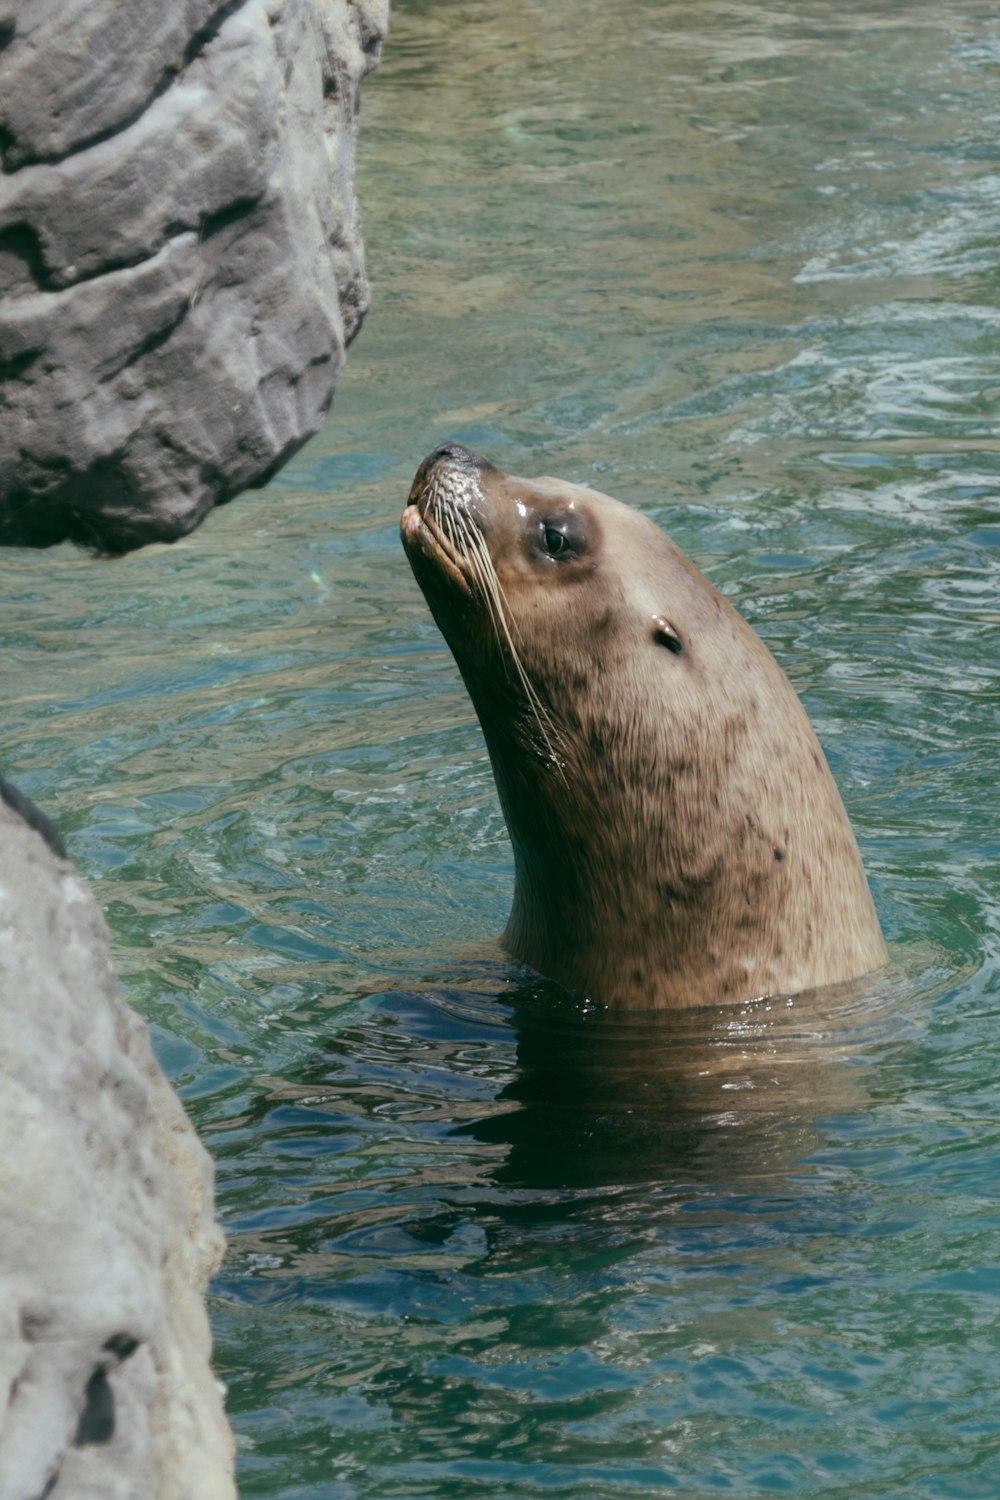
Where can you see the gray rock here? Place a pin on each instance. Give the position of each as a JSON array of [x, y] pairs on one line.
[[181, 265], [107, 1236]]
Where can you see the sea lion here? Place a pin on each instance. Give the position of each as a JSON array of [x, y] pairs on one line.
[[678, 837]]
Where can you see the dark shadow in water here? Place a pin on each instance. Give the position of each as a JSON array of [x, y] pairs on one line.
[[569, 1095], [728, 1095], [491, 1167], [492, 1102]]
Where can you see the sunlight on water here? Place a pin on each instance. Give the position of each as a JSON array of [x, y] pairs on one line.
[[735, 264]]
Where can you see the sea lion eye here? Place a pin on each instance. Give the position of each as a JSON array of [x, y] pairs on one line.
[[562, 537], [554, 542], [664, 634]]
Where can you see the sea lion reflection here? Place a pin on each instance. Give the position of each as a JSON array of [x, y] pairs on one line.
[[727, 1095]]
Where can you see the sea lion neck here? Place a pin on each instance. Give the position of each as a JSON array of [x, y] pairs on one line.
[[662, 869]]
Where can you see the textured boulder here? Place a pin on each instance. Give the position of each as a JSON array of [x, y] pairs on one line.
[[107, 1237], [181, 264]]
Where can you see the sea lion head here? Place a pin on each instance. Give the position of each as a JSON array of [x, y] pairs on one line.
[[524, 579], [664, 792]]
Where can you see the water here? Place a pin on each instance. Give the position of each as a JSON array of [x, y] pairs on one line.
[[737, 265]]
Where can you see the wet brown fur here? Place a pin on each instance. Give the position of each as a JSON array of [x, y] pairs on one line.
[[678, 837]]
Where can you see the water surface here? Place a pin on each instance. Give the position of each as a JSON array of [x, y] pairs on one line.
[[735, 264]]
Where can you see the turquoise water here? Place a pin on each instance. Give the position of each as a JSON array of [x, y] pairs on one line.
[[738, 265]]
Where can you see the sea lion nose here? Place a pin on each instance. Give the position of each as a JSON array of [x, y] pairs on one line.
[[449, 452], [458, 453], [454, 452]]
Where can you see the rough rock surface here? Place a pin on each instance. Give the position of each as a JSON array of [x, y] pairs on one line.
[[181, 263], [107, 1236]]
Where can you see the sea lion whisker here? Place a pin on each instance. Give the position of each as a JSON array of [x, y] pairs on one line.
[[448, 519], [485, 575], [438, 514], [438, 517]]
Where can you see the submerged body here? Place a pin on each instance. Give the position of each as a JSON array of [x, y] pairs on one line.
[[678, 837]]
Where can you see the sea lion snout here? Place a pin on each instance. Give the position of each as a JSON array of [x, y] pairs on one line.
[[450, 453]]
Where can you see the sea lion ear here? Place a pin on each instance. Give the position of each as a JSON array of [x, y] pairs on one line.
[[664, 634]]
